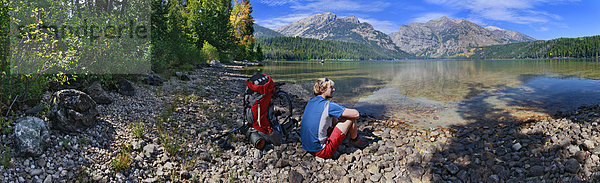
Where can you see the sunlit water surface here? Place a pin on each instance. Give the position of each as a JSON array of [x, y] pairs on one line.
[[428, 93]]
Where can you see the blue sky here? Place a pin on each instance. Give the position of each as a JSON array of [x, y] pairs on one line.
[[540, 19]]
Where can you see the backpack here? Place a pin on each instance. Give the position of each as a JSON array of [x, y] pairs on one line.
[[258, 110]]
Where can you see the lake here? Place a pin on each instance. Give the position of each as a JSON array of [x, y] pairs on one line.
[[430, 93]]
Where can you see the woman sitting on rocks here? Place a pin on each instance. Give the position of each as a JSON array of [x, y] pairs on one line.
[[325, 124]]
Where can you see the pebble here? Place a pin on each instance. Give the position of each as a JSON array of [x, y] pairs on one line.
[[375, 177], [543, 150], [589, 145], [452, 168], [517, 146], [572, 166], [536, 171]]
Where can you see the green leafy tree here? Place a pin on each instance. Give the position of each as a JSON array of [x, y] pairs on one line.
[[210, 51], [214, 23]]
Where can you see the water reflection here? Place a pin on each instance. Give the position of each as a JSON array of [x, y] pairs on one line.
[[431, 93]]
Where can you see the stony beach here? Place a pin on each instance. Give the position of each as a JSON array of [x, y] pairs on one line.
[[164, 133]]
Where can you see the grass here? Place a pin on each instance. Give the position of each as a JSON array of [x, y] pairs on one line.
[[6, 155], [5, 126], [121, 162], [65, 142], [170, 143], [137, 128], [165, 116]]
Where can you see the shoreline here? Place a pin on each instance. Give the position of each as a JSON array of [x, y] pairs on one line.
[[179, 148]]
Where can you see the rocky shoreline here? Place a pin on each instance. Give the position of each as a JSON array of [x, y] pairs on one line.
[[165, 133]]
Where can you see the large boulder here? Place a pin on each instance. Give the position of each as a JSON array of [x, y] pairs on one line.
[[215, 63], [72, 110], [31, 136], [153, 79], [183, 76], [98, 94], [126, 87]]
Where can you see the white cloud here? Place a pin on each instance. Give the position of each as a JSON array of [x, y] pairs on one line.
[[429, 16], [276, 22], [381, 25], [341, 5], [277, 2], [515, 11]]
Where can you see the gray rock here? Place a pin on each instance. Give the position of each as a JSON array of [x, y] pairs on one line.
[[35, 172], [149, 180], [573, 149], [452, 168], [153, 79], [295, 177], [137, 145], [31, 136], [48, 179], [72, 110], [516, 146], [98, 94], [572, 166], [215, 63], [373, 169], [35, 110], [581, 156], [182, 76], [282, 163], [375, 177], [463, 175], [536, 171], [149, 149], [495, 178], [126, 87], [258, 165], [589, 145]]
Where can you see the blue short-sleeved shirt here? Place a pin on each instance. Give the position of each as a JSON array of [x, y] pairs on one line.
[[317, 118]]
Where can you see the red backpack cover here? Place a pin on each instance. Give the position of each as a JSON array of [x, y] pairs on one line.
[[263, 84]]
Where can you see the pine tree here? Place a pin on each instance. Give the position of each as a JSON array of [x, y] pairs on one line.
[[213, 23], [259, 54]]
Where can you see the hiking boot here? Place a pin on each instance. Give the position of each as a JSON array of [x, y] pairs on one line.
[[358, 142]]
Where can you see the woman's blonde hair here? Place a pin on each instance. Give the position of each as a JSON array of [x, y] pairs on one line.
[[322, 84]]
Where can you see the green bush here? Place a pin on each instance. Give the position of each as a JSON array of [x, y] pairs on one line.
[[210, 52]]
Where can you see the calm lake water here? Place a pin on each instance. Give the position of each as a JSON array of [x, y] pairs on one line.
[[428, 93]]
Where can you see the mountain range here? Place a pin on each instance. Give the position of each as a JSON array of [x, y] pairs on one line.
[[446, 37], [436, 38]]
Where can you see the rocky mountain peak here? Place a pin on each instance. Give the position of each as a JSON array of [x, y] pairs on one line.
[[445, 19], [447, 36], [493, 28], [351, 19], [329, 26]]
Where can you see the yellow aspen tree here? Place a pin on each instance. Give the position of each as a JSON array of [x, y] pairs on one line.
[[242, 22]]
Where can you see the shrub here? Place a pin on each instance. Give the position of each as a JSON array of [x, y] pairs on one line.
[[210, 52], [6, 155]]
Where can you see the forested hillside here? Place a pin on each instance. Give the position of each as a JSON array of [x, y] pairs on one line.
[[297, 48], [584, 47]]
